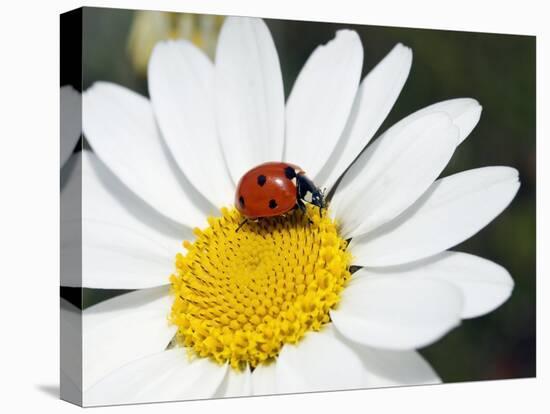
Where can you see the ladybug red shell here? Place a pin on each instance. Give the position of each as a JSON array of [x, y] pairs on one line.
[[274, 188]]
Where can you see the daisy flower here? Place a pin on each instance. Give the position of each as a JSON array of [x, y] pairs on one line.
[[150, 26], [289, 304]]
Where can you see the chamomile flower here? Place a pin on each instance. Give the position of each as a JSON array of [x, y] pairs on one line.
[[149, 27], [293, 303]]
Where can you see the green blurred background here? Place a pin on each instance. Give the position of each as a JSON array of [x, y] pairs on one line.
[[497, 70]]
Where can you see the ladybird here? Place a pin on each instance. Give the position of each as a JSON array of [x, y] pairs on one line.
[[275, 188]]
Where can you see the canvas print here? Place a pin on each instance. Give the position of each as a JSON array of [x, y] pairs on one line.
[[253, 207]]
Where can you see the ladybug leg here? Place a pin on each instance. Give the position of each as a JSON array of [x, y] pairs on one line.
[[301, 191], [240, 225], [322, 203], [300, 204]]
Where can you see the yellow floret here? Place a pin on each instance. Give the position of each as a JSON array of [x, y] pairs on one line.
[[239, 296]]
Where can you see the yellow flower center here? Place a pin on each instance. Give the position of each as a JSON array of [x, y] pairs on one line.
[[239, 296]]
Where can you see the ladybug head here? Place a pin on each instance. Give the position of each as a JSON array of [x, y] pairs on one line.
[[318, 198], [307, 187]]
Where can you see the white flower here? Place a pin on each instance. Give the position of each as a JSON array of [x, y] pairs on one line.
[[149, 27], [161, 166]]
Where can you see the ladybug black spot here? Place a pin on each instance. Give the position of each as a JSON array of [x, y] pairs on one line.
[[261, 180], [272, 204], [241, 201], [290, 173]]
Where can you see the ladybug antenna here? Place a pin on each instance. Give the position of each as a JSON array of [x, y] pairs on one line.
[[240, 225]]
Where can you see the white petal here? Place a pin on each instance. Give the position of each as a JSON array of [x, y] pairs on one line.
[[321, 101], [379, 368], [123, 329], [71, 188], [70, 119], [465, 113], [71, 254], [374, 99], [249, 95], [319, 362], [126, 244], [485, 285], [393, 173], [453, 209], [122, 131], [166, 376], [397, 314], [69, 390], [70, 222], [70, 349], [394, 368], [115, 257], [181, 78], [235, 384], [264, 380], [105, 199]]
